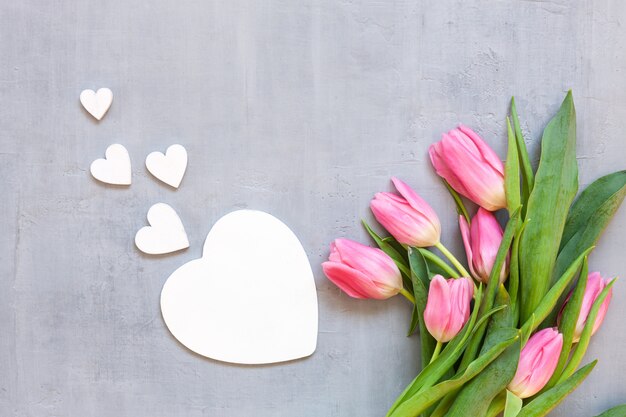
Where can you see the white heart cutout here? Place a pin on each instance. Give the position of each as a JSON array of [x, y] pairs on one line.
[[169, 167], [250, 299], [165, 234], [114, 168], [97, 103]]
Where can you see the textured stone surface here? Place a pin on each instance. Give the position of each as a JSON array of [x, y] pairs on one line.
[[300, 108]]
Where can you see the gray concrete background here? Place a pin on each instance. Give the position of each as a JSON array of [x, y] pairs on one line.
[[300, 108]]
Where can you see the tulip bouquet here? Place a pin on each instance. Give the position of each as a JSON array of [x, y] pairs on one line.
[[508, 333]]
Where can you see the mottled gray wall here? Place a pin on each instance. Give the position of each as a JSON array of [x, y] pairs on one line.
[[300, 108]]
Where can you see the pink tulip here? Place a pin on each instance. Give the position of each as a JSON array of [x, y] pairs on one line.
[[448, 306], [537, 363], [595, 285], [361, 271], [407, 216], [470, 167], [482, 240]]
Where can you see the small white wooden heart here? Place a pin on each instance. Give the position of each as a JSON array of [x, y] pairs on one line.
[[97, 103], [169, 168], [250, 299], [115, 168], [165, 234]]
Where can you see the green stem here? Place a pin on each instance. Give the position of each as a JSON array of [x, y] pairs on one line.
[[407, 295], [436, 351], [439, 262], [452, 259]]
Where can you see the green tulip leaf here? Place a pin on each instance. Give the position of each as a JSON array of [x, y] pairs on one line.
[[394, 250], [590, 215], [546, 402], [556, 184], [568, 323], [444, 405], [437, 368], [513, 405], [550, 301], [497, 405], [504, 317], [527, 330], [511, 172], [460, 207], [423, 399], [513, 280], [528, 176], [618, 411], [610, 187], [415, 321], [476, 396], [401, 250], [446, 402], [421, 282]]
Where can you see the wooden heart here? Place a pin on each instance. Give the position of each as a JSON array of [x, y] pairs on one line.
[[97, 103], [169, 167], [250, 299], [114, 168], [165, 234]]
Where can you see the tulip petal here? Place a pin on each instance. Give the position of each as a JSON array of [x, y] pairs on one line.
[[543, 366], [372, 262], [487, 153], [461, 291], [537, 363], [486, 238], [416, 201], [459, 159], [437, 158], [484, 186], [334, 256], [407, 225], [465, 235], [602, 312], [351, 281], [483, 183], [595, 285], [438, 308]]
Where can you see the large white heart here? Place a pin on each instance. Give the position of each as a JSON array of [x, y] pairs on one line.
[[165, 234], [169, 167], [250, 299], [115, 168], [97, 103]]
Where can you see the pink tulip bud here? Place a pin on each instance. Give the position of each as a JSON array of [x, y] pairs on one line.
[[537, 363], [407, 216], [470, 167], [482, 240], [595, 285], [361, 271], [448, 306]]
